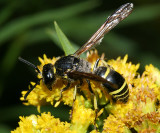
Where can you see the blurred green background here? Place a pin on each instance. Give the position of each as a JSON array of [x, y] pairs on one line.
[[26, 30]]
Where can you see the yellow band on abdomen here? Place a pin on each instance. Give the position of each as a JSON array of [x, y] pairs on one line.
[[119, 90], [106, 73], [121, 94]]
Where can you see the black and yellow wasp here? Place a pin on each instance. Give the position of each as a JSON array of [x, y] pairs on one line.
[[72, 67]]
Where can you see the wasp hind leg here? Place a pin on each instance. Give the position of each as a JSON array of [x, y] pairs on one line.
[[74, 99], [74, 96], [94, 102]]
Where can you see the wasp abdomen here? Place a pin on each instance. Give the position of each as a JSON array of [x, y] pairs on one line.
[[120, 93]]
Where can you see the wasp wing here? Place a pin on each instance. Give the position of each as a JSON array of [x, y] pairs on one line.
[[77, 75], [120, 14]]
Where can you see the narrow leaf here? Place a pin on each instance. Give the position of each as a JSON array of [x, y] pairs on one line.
[[67, 47], [52, 34]]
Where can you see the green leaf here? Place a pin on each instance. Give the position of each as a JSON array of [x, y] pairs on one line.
[[17, 26], [67, 47], [52, 34]]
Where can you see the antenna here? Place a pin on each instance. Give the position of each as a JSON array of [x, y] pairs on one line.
[[29, 63], [36, 68]]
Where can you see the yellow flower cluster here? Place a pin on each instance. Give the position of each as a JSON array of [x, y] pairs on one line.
[[45, 123], [116, 125], [82, 117], [141, 112]]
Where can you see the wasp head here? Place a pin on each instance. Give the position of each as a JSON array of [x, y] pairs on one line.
[[48, 75]]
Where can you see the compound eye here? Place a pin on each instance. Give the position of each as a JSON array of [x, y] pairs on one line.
[[48, 75]]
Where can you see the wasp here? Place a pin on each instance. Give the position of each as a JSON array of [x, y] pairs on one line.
[[72, 67]]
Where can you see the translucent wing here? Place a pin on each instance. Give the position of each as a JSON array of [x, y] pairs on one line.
[[120, 14], [77, 74]]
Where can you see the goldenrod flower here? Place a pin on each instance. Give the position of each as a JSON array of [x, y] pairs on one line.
[[128, 70], [82, 117], [141, 112], [44, 124], [144, 92], [113, 125]]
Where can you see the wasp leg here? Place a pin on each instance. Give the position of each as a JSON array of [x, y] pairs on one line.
[[68, 85], [89, 86], [95, 102], [96, 64], [74, 96], [74, 99]]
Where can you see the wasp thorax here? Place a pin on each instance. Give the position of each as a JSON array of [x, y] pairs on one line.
[[48, 75]]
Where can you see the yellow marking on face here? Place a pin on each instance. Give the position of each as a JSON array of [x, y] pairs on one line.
[[119, 90], [121, 94], [106, 73]]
